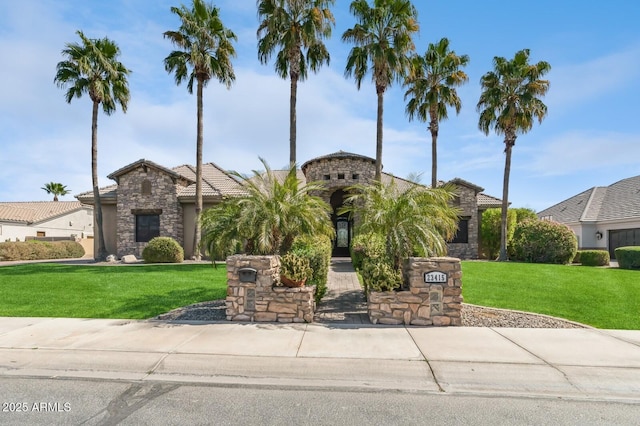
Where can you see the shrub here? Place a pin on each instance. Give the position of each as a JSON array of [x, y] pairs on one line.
[[40, 250], [541, 241], [576, 258], [379, 274], [628, 257], [318, 250], [295, 267], [490, 230], [594, 257], [366, 245], [163, 250]]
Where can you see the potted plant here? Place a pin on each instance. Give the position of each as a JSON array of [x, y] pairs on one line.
[[294, 270]]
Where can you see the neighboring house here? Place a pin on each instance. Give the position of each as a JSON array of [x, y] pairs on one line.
[[603, 217], [151, 200], [45, 219]]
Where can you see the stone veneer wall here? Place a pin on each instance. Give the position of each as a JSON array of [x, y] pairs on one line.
[[333, 167], [424, 304], [261, 301], [469, 210], [163, 196]]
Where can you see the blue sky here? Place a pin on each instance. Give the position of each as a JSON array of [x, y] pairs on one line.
[[590, 137]]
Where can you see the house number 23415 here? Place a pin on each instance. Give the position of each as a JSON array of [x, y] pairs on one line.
[[435, 277]]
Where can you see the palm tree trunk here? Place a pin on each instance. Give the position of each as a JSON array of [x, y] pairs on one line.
[[199, 144], [97, 204], [378, 176], [293, 121], [433, 127], [505, 202]]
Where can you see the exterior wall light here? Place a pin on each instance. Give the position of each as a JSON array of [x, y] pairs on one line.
[[598, 235]]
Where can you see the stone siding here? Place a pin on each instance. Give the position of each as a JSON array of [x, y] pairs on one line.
[[342, 172], [262, 300], [158, 194], [468, 205], [424, 304]]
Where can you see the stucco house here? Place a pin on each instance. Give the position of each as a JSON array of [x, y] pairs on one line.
[[602, 217], [57, 219], [150, 200]]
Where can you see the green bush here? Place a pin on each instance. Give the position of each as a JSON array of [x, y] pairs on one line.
[[379, 274], [40, 250], [594, 257], [490, 230], [295, 267], [542, 241], [576, 258], [318, 250], [366, 245], [163, 250], [628, 257]]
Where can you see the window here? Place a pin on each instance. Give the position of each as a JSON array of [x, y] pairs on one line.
[[40, 234], [340, 175], [355, 176], [327, 177], [147, 227], [462, 234]]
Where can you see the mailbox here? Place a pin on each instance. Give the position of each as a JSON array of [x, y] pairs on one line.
[[247, 275]]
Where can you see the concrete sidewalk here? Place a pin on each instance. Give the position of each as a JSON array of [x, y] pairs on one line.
[[571, 363]]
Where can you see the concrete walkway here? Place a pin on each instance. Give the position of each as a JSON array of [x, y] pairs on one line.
[[344, 302]]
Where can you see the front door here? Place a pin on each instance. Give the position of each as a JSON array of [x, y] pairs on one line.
[[343, 237]]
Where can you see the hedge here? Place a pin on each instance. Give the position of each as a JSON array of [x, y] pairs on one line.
[[628, 257], [594, 257], [40, 250]]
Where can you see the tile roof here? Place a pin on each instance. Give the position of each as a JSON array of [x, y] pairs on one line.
[[620, 200], [216, 181], [37, 211], [486, 201]]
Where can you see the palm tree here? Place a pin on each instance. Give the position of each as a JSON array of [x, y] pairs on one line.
[[383, 42], [509, 102], [296, 28], [205, 51], [417, 221], [432, 84], [268, 218], [56, 189], [92, 67]]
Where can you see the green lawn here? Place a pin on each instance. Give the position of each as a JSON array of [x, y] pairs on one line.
[[600, 297], [89, 291]]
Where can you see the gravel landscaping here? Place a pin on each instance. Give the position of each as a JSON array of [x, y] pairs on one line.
[[472, 316]]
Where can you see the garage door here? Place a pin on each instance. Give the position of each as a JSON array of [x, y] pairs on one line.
[[622, 238]]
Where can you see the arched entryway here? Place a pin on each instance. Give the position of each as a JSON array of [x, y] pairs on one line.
[[342, 224]]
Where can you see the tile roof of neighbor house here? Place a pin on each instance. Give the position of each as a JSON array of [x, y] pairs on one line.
[[620, 200], [216, 181], [37, 211]]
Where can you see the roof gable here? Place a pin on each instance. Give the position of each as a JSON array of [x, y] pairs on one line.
[[142, 163]]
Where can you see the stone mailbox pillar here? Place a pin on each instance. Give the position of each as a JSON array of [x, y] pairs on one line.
[[434, 296], [253, 293]]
